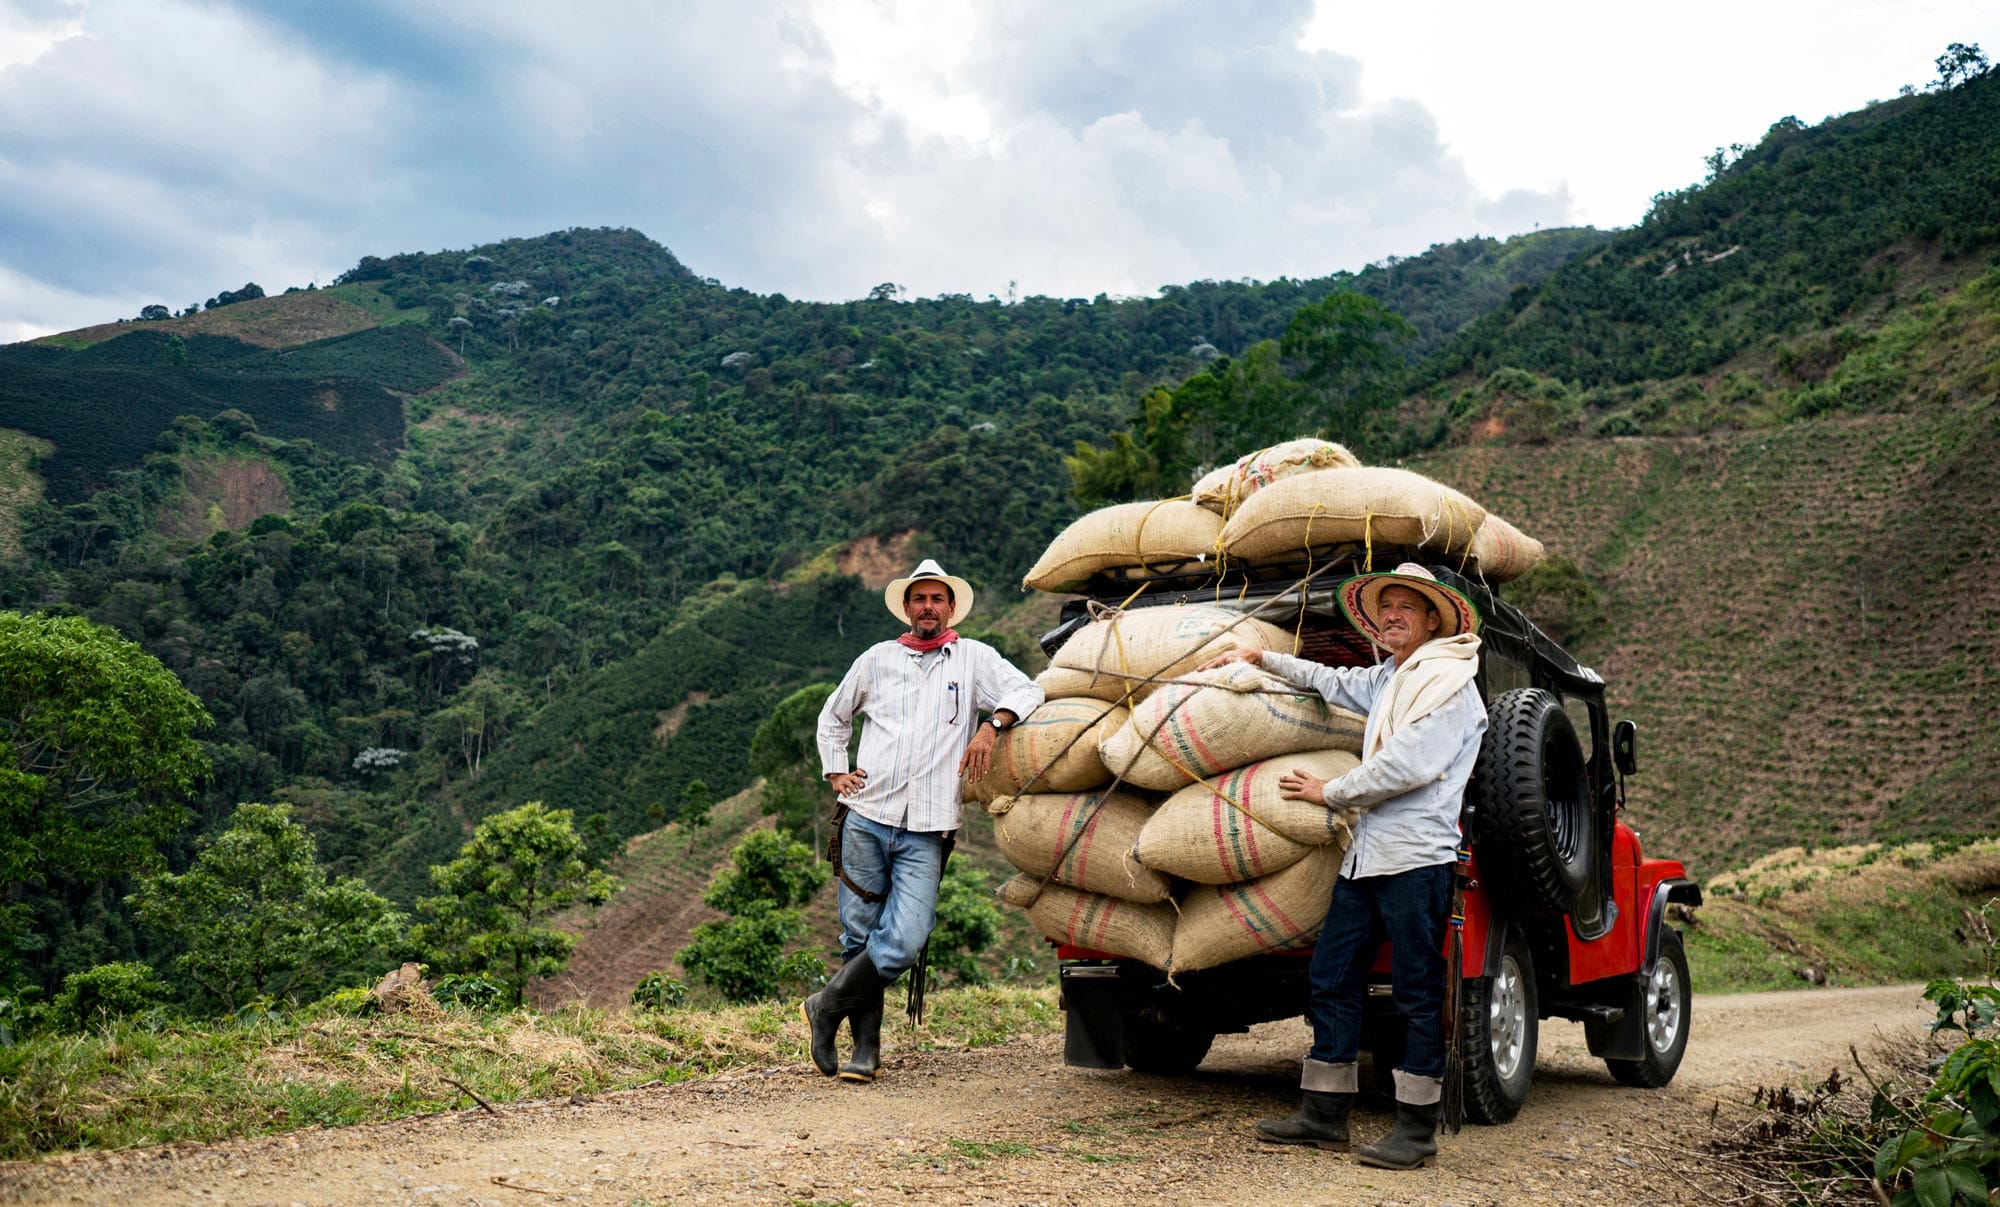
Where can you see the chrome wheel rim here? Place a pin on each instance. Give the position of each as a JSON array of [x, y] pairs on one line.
[[1663, 1006], [1507, 1019]]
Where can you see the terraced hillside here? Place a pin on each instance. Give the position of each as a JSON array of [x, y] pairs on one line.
[[1803, 620]]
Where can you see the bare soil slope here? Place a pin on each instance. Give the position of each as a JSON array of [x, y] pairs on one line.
[[1012, 1124]]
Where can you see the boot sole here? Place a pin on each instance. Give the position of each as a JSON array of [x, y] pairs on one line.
[[857, 1076], [1331, 1146], [1379, 1163]]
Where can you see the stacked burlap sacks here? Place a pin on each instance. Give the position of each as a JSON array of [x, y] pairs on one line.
[[1125, 654], [1164, 533], [1080, 883], [1210, 721], [1083, 840], [1052, 749], [1372, 506], [1097, 921], [1223, 489], [1271, 862]]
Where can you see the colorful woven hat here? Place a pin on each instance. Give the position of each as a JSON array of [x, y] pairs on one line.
[[1361, 595], [961, 591]]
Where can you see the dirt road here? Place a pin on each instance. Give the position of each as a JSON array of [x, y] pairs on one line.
[[1011, 1124]]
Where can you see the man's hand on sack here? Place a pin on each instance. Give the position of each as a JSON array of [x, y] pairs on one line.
[[1302, 785], [978, 754], [847, 783], [1251, 656]]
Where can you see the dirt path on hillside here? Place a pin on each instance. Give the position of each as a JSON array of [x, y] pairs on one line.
[[1011, 1124]]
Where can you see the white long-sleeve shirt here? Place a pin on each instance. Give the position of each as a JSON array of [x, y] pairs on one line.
[[922, 712], [1411, 789]]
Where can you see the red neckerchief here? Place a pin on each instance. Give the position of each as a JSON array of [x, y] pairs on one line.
[[923, 646]]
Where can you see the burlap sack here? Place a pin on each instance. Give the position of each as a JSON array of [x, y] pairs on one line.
[[1279, 912], [1124, 651], [1052, 749], [1254, 790], [1129, 534], [1061, 683], [1082, 839], [1329, 507], [1214, 720], [1096, 921], [1202, 837], [1502, 552], [1224, 489]]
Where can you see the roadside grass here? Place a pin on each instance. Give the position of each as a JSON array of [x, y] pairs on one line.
[[134, 1083], [1867, 914]]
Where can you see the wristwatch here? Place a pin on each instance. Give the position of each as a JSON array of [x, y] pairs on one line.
[[997, 726]]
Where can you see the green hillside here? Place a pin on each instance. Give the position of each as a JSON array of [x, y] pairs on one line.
[[1803, 620], [1824, 221], [562, 514]]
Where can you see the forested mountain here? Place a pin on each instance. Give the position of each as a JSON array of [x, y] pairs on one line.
[[558, 519], [467, 526]]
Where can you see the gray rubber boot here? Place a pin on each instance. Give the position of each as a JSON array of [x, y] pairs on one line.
[[850, 989], [1320, 1121], [1412, 1144], [866, 1020]]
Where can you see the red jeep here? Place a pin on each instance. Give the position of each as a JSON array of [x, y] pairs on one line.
[[1564, 915]]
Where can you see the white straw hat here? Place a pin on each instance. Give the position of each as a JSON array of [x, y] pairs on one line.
[[961, 592]]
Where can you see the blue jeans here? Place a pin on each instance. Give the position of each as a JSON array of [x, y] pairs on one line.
[[1410, 910], [907, 864]]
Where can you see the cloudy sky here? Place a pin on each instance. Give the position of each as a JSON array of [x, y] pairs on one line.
[[164, 150]]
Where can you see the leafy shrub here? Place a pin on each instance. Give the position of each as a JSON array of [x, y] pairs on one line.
[[1949, 1152], [469, 990], [106, 993], [967, 924], [659, 992], [743, 957], [355, 1001]]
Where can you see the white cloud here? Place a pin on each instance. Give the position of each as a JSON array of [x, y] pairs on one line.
[[166, 149]]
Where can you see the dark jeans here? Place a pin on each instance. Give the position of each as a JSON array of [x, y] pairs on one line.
[[1410, 910]]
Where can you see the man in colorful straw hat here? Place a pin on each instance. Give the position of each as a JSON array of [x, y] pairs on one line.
[[922, 695], [1425, 722]]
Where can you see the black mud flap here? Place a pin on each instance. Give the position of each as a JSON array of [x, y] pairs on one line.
[[1617, 1032], [1093, 1017]]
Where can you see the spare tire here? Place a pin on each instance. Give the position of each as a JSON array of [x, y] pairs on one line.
[[1531, 793]]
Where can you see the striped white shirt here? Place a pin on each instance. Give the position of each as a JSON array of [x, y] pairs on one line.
[[921, 714]]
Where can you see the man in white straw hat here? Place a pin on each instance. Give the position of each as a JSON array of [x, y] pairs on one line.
[[922, 695], [1425, 722]]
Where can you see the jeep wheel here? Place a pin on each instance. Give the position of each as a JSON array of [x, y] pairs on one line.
[[1497, 1033], [1669, 1001], [1163, 1048], [1532, 796]]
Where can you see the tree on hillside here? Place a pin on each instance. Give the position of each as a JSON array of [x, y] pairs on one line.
[[97, 757], [1960, 62], [494, 901], [785, 751], [257, 915], [1350, 344], [744, 956], [695, 804]]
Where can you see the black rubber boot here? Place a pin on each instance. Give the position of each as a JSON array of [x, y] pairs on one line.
[[866, 1020], [1320, 1121], [1412, 1144], [852, 987]]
